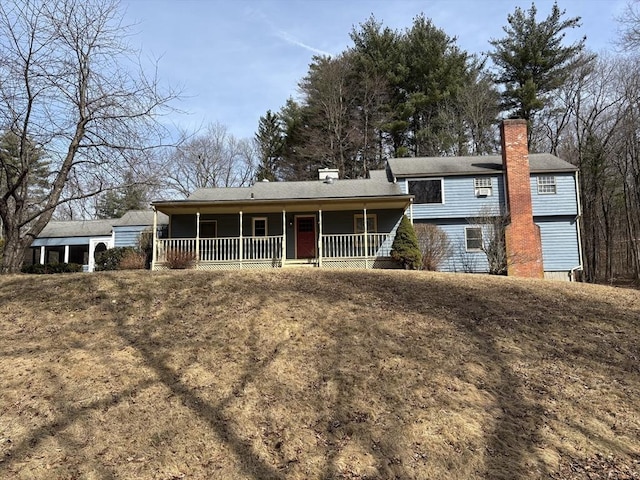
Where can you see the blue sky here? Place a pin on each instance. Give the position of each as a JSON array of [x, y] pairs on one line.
[[235, 59]]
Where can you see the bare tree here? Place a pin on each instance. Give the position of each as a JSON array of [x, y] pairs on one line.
[[434, 245], [493, 222], [213, 158], [630, 23], [71, 88]]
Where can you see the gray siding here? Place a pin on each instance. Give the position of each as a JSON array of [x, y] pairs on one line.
[[460, 200], [563, 202], [559, 243]]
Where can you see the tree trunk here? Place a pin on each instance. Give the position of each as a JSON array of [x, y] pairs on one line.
[[13, 253]]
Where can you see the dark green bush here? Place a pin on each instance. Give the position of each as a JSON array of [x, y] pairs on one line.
[[405, 249], [48, 268], [110, 259]]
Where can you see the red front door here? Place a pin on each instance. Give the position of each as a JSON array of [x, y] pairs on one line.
[[305, 237]]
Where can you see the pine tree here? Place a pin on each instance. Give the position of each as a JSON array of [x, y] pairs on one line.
[[532, 60], [405, 248]]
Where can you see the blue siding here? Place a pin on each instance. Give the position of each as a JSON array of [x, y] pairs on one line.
[[459, 259], [128, 236], [560, 250], [460, 200], [563, 202]]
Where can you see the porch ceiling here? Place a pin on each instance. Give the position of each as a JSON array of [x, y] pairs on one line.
[[290, 205]]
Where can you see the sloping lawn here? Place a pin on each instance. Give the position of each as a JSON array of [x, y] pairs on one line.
[[310, 374]]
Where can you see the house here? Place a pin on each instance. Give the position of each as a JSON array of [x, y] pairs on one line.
[[351, 223], [536, 193], [328, 222], [79, 241]]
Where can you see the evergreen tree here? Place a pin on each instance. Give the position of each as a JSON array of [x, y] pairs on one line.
[[115, 203], [405, 249], [532, 61], [270, 140]]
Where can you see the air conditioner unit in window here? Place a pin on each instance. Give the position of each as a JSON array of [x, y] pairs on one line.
[[483, 192]]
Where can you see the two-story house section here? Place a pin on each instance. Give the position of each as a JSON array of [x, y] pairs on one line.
[[464, 195]]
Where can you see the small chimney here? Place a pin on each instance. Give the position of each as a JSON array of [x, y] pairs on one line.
[[522, 236], [328, 173]]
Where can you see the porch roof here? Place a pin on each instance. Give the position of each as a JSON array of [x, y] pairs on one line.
[[307, 195]]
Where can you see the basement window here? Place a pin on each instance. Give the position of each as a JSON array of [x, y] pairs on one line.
[[426, 190], [546, 184], [473, 239]]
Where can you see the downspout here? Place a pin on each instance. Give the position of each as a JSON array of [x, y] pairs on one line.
[[578, 217], [154, 249]]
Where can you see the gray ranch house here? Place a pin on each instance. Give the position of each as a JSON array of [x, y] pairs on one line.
[[333, 222], [279, 224]]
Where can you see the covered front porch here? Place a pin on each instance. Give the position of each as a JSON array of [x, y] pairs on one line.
[[345, 233]]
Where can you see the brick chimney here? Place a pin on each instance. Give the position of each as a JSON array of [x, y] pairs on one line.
[[522, 236]]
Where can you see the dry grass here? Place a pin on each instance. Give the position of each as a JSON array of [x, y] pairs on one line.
[[316, 375]]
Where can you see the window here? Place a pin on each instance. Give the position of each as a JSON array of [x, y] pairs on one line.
[[426, 191], [483, 186], [473, 238], [208, 228], [546, 184], [260, 227], [358, 223]]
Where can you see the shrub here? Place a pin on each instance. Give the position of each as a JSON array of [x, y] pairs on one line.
[[132, 260], [434, 245], [180, 259], [50, 268], [110, 259], [405, 246]]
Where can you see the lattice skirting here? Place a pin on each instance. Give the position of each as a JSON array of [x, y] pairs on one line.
[[380, 262]]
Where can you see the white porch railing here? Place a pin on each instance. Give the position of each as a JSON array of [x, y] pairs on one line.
[[353, 245], [224, 248], [262, 248], [227, 249], [219, 249]]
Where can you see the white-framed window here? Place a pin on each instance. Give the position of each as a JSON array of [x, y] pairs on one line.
[[358, 223], [426, 190], [208, 228], [259, 226], [483, 186], [473, 239], [547, 184]]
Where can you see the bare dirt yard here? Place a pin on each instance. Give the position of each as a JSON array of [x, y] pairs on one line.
[[317, 374]]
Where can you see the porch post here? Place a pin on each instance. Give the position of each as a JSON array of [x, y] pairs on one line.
[[66, 254], [197, 237], [241, 242], [42, 255], [284, 237], [154, 241], [320, 238], [411, 212], [366, 240]]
